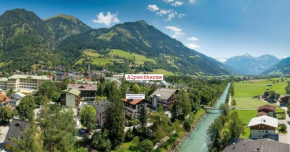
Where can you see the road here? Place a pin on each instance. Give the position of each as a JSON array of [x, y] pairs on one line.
[[285, 138]]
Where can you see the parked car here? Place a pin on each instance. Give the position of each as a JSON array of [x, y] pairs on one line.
[[83, 132]]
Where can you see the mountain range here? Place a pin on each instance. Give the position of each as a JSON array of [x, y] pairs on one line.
[[248, 65], [28, 42], [282, 67]]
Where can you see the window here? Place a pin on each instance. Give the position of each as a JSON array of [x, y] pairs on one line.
[[266, 131]]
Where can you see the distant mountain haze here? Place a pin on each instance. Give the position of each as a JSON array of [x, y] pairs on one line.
[[28, 43], [282, 67], [248, 65]]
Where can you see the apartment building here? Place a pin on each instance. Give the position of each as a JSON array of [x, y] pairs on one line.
[[23, 82]]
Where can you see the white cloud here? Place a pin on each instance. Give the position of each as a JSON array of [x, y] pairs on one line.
[[222, 60], [164, 12], [170, 14], [168, 1], [177, 31], [177, 3], [107, 19], [191, 1], [192, 46], [153, 8], [192, 39]]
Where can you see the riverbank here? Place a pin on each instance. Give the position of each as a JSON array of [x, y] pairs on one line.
[[175, 140]]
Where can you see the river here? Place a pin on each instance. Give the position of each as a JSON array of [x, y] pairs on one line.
[[197, 140]]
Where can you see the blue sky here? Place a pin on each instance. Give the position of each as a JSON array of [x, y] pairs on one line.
[[217, 28]]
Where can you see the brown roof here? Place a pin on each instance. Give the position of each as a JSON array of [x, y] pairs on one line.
[[133, 101], [267, 107], [83, 87], [4, 98], [262, 113]]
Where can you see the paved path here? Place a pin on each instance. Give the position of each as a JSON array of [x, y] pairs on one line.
[[4, 131], [230, 100], [285, 138]]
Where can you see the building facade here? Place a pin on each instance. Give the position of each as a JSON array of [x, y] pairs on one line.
[[163, 97], [88, 91], [70, 98], [262, 126], [132, 107]]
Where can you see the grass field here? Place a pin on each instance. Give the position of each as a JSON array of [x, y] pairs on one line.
[[98, 60], [162, 71], [245, 91], [246, 116], [139, 59]]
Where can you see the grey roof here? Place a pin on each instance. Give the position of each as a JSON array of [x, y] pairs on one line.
[[163, 93], [15, 130], [260, 145], [83, 87], [101, 105]]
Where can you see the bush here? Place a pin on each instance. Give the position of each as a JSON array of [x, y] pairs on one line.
[[282, 128], [186, 125], [146, 146], [129, 135]]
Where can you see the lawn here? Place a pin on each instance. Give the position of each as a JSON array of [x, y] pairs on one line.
[[246, 116], [246, 90], [250, 103], [162, 71], [91, 52]]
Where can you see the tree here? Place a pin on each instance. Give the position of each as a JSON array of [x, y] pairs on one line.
[[30, 140], [234, 102], [224, 108], [143, 117], [101, 142], [115, 122], [7, 113], [136, 89], [49, 89], [26, 108], [10, 92], [41, 100], [58, 127], [129, 135], [88, 117], [146, 146], [236, 126], [183, 105]]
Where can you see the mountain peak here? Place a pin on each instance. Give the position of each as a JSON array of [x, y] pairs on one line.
[[68, 17], [247, 55]]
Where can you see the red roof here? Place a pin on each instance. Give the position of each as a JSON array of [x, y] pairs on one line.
[[267, 108], [262, 113], [4, 98], [133, 101]]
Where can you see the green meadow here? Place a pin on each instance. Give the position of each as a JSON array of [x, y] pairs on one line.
[[246, 116], [246, 90]]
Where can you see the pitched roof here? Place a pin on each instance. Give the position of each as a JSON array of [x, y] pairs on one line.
[[16, 127], [267, 107], [260, 145], [83, 87], [4, 98], [72, 91], [133, 101], [101, 106], [163, 93], [265, 120], [262, 113]]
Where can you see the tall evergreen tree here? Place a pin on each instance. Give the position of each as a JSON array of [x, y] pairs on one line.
[[115, 122], [236, 125], [143, 117]]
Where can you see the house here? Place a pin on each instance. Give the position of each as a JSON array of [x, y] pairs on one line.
[[16, 128], [163, 97], [88, 91], [60, 76], [132, 107], [260, 145], [101, 107], [70, 98], [16, 98], [262, 126], [4, 100], [284, 99], [269, 109]]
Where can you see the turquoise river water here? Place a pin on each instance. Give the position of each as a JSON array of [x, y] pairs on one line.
[[197, 140]]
